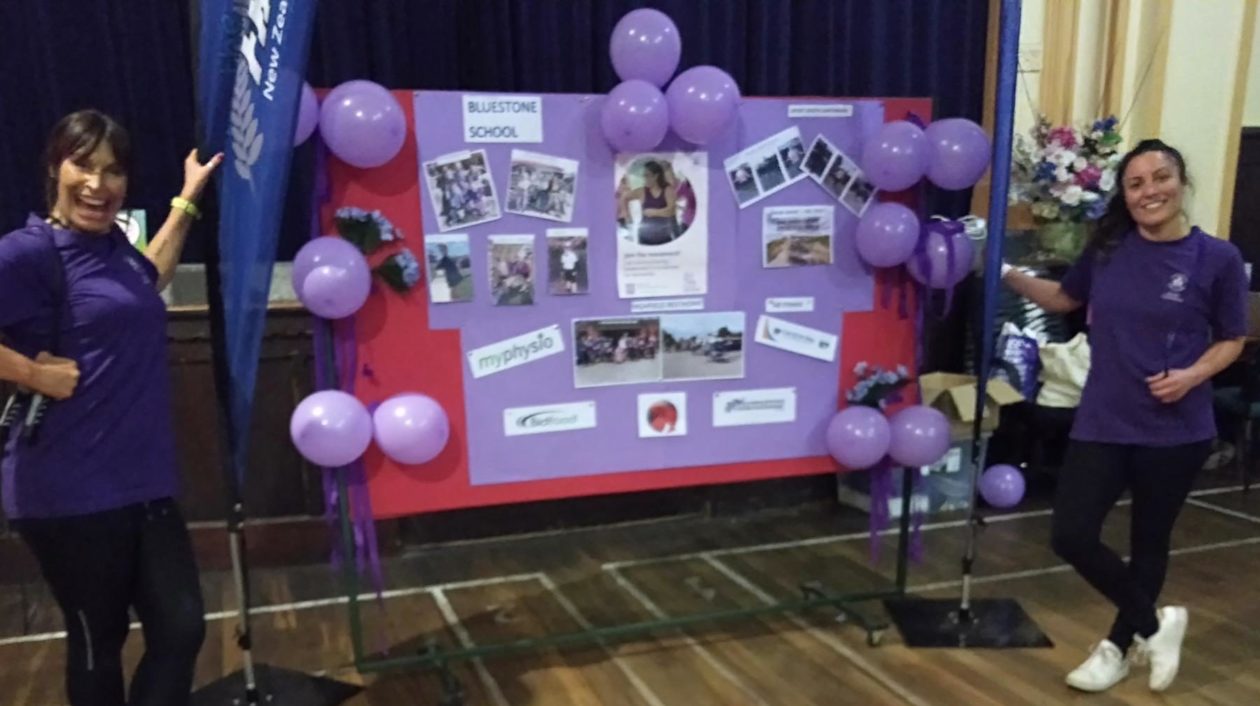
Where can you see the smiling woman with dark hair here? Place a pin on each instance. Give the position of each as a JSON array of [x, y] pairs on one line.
[[91, 492], [1167, 312]]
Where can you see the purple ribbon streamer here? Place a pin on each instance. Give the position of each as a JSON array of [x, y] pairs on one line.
[[345, 359], [917, 513], [880, 494]]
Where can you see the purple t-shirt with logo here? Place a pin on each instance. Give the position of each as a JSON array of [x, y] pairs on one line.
[[110, 444], [1154, 306]]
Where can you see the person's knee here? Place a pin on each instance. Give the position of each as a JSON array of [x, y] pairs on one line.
[[180, 631], [1070, 543]]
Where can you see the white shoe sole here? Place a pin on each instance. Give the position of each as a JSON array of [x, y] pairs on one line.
[[1093, 688]]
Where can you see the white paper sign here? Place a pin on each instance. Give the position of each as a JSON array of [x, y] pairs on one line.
[[795, 338], [820, 110], [789, 305], [734, 408], [644, 306], [662, 414], [502, 118], [545, 419], [519, 350]]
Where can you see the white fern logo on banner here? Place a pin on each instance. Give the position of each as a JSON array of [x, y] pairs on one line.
[[247, 141]]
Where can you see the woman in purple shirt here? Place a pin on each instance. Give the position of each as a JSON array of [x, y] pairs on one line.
[[91, 492], [1167, 312]]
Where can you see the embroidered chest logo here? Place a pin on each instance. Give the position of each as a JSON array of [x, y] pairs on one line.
[[139, 268], [1176, 287]]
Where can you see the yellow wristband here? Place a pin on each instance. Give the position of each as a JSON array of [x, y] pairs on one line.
[[186, 206]]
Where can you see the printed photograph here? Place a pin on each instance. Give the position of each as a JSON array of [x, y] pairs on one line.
[[449, 265], [820, 155], [656, 201], [792, 155], [616, 351], [860, 194], [512, 269], [746, 190], [797, 236], [542, 186], [703, 346], [461, 189], [566, 261], [839, 175]]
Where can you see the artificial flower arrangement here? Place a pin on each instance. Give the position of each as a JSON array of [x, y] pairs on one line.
[[1066, 173], [877, 387], [369, 231]]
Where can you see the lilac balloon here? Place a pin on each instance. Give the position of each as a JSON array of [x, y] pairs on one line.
[[411, 428], [362, 124], [324, 250], [1002, 486], [919, 436], [858, 437], [330, 428], [897, 158], [335, 292], [703, 101], [308, 115], [887, 234], [946, 256], [959, 153], [645, 45], [634, 117]]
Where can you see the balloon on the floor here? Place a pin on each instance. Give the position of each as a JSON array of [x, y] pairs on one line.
[[411, 428], [898, 156], [362, 124], [635, 117], [919, 436], [1002, 486], [703, 101], [959, 154], [645, 45], [330, 428], [887, 234], [858, 437]]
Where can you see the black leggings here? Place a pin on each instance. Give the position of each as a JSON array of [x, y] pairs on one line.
[[1093, 478], [101, 564]]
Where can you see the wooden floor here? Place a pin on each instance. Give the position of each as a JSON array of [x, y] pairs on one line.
[[489, 592]]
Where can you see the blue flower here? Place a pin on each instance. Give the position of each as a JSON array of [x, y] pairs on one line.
[[860, 368], [1045, 172], [902, 372], [406, 261], [350, 212], [1096, 210]]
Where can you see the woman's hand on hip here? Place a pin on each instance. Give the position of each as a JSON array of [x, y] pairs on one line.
[[54, 377], [1171, 386], [197, 175]]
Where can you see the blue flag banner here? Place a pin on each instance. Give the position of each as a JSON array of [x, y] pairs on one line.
[[252, 66]]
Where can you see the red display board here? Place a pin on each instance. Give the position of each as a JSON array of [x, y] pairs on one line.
[[397, 352]]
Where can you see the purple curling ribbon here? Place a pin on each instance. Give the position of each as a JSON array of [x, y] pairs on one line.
[[345, 361], [880, 495]]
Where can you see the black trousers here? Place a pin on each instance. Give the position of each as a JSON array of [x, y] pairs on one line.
[[100, 565], [1093, 478]]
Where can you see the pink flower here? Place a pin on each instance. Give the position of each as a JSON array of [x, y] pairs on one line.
[[1064, 136], [1089, 176]]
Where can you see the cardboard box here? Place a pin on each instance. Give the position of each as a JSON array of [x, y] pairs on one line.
[[955, 395], [946, 486]]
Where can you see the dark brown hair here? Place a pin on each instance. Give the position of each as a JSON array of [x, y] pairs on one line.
[[77, 135], [1116, 221]]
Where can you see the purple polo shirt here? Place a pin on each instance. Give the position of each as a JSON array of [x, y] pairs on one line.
[[111, 444], [1154, 306]]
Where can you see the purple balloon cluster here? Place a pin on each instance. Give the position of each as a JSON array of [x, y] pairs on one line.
[[952, 153], [860, 437], [699, 104], [359, 120], [331, 428]]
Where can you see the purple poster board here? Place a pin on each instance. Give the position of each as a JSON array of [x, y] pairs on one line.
[[737, 281]]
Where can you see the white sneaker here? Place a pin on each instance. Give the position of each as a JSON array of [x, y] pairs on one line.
[[1163, 649], [1104, 669]]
